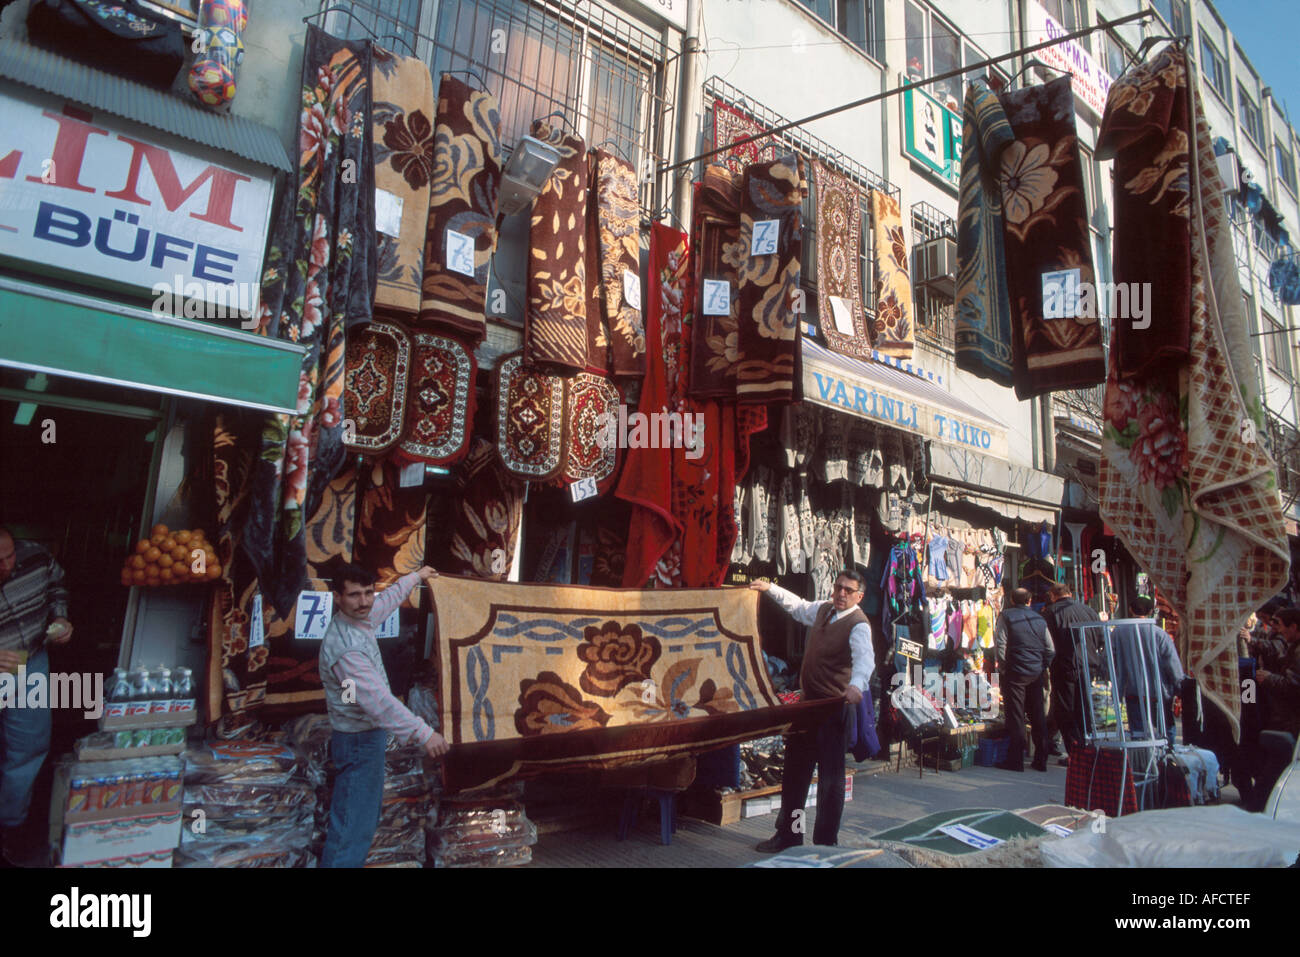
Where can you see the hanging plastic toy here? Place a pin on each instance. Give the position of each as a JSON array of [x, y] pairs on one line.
[[219, 44]]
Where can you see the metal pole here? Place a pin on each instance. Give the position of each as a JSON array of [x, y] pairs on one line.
[[1142, 15]]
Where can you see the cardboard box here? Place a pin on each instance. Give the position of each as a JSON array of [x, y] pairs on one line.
[[121, 837], [133, 862]]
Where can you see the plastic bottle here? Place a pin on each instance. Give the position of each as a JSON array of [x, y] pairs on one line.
[[119, 697], [140, 694], [160, 699], [183, 700]]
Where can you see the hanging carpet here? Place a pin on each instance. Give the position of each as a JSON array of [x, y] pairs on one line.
[[717, 256], [1056, 337], [770, 243], [894, 312], [461, 233], [402, 122], [532, 419], [374, 387], [1185, 481], [390, 539], [440, 401], [839, 264], [538, 678], [983, 308], [555, 334], [487, 520], [729, 125], [592, 402], [619, 220]]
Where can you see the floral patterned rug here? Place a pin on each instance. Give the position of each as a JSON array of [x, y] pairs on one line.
[[537, 678]]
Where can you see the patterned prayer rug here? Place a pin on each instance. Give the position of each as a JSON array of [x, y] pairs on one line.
[[1147, 130], [983, 310], [619, 219], [893, 326], [440, 401], [839, 253], [555, 334], [729, 125], [536, 678], [591, 399], [532, 420], [768, 337], [390, 539], [462, 209], [1056, 342], [316, 284], [486, 523], [717, 256], [374, 388], [402, 122], [1184, 481], [598, 362]]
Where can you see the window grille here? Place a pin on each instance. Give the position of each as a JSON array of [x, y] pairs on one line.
[[935, 322]]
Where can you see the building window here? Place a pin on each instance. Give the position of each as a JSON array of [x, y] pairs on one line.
[[1285, 164], [1069, 14], [1277, 347], [1214, 67], [852, 19], [1251, 120], [934, 47], [1116, 56]]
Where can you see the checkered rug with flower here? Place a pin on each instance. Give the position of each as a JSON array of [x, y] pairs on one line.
[[536, 678]]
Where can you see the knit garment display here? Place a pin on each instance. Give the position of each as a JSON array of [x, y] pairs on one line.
[[461, 235]]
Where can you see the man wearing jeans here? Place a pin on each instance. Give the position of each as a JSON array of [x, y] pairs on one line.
[[33, 612], [362, 710], [837, 663]]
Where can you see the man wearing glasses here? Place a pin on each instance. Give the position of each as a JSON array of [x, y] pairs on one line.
[[837, 663]]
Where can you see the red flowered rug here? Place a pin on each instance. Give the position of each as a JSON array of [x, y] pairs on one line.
[[536, 678], [374, 387], [592, 454], [440, 400]]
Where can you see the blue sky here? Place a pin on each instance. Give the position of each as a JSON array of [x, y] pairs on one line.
[[1267, 31]]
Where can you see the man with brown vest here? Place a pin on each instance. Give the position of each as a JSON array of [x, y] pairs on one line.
[[837, 663]]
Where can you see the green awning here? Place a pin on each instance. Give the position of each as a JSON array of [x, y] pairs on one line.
[[49, 330]]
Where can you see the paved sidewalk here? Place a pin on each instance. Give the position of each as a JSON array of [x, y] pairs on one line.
[[881, 799]]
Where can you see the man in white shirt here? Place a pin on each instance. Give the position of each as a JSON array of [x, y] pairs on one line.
[[837, 663]]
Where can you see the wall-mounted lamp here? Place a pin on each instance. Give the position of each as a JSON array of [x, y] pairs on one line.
[[526, 172]]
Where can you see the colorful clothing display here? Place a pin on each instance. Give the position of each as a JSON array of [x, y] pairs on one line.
[[402, 124], [983, 307], [839, 261], [1055, 329], [462, 209], [894, 332], [770, 243], [1192, 502], [1147, 131], [555, 333]]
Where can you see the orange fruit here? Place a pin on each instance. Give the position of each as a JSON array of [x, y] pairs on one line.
[[182, 537], [180, 572], [197, 535], [166, 576], [214, 571], [152, 554], [165, 562], [160, 529], [137, 561], [126, 578], [168, 544], [143, 546], [157, 539], [179, 553], [138, 576]]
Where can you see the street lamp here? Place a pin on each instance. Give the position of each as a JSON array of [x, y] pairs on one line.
[[526, 172]]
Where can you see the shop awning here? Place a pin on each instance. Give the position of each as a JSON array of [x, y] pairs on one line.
[[1015, 491], [47, 330], [875, 391], [51, 73]]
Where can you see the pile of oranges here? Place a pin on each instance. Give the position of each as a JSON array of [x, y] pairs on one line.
[[171, 558]]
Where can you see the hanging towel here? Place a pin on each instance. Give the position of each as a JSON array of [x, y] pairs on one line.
[[983, 309], [839, 264], [893, 326], [769, 340], [1147, 131], [463, 200], [619, 219], [716, 256], [1056, 338], [555, 334], [1195, 504], [402, 123]]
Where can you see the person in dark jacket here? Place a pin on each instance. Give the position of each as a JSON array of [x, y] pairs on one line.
[[1066, 713], [1024, 652]]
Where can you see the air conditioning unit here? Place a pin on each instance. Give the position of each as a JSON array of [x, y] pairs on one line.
[[935, 266]]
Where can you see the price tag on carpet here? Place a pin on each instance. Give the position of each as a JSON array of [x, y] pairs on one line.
[[313, 614], [389, 628], [256, 627], [460, 253], [1061, 294], [411, 475], [717, 297], [763, 242], [843, 316], [583, 489], [632, 289], [388, 213], [970, 836]]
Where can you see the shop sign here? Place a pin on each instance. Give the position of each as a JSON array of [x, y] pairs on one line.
[[932, 135], [1090, 82], [674, 11], [87, 193], [836, 389]]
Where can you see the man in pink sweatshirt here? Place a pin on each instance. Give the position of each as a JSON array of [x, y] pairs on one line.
[[362, 710]]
